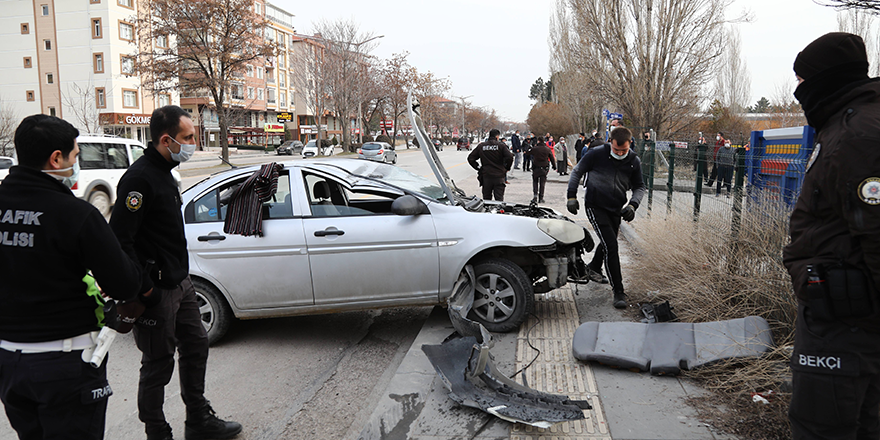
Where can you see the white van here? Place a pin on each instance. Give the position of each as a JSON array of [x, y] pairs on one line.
[[103, 160]]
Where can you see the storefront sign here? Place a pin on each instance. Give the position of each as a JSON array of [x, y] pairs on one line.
[[273, 128], [284, 116], [124, 119]]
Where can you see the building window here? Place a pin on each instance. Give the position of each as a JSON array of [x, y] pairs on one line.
[[28, 63], [257, 8], [260, 72], [25, 28], [50, 78], [51, 111], [164, 99], [94, 1], [281, 80], [98, 62], [270, 95], [162, 41], [126, 31], [30, 95], [260, 94], [250, 93], [129, 98], [45, 9], [47, 44], [126, 3], [96, 28], [100, 97], [126, 64], [282, 101], [250, 70]]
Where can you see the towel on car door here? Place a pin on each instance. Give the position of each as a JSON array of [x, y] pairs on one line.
[[245, 213]]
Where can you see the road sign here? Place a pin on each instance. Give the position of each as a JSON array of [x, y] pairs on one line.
[[615, 116]]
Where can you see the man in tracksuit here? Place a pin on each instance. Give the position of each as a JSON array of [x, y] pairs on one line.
[[834, 254], [492, 160], [50, 311], [148, 223], [611, 170]]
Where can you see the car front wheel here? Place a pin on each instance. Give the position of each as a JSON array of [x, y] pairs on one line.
[[503, 296], [100, 200], [215, 313]]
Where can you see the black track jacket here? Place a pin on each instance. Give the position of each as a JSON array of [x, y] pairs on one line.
[[608, 179]]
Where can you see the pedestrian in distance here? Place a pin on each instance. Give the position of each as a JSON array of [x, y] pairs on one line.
[[148, 223], [834, 254], [516, 147], [726, 161], [492, 160], [527, 155], [542, 162], [50, 309], [719, 142], [579, 147], [561, 154], [611, 171]]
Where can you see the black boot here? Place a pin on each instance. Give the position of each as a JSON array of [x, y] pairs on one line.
[[160, 433], [619, 300], [203, 424]]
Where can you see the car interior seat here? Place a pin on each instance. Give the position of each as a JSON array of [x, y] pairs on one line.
[[322, 206]]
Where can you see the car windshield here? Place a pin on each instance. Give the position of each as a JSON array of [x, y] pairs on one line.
[[398, 177], [5, 163], [372, 147], [311, 144]]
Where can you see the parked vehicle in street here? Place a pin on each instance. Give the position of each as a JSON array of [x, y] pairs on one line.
[[103, 159], [6, 163], [311, 149], [329, 216], [290, 148], [463, 144], [381, 151], [437, 144]]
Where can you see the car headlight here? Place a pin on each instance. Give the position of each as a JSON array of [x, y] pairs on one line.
[[560, 230]]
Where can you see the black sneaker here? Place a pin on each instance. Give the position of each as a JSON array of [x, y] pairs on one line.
[[597, 276], [204, 424], [160, 433], [619, 300]]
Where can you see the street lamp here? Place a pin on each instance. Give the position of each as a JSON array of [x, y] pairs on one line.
[[462, 98], [360, 98]]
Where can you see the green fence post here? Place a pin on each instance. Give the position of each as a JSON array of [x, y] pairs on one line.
[[670, 180], [738, 191], [698, 190], [650, 154]]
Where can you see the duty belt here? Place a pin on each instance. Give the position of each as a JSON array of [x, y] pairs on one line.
[[80, 342]]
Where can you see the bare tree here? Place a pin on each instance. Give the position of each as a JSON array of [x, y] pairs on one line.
[[864, 25], [398, 76], [870, 6], [428, 89], [212, 43], [9, 121], [311, 76], [80, 101], [648, 59], [785, 110], [733, 83]]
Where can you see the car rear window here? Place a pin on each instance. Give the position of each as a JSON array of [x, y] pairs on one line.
[[5, 163], [372, 147]]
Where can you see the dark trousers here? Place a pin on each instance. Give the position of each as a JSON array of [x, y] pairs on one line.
[[607, 225], [835, 380], [725, 174], [712, 175], [527, 162], [493, 186], [53, 395], [175, 323], [539, 179]]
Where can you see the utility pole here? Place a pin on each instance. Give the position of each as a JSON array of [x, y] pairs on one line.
[[462, 98]]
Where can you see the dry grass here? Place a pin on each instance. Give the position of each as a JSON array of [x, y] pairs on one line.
[[709, 273]]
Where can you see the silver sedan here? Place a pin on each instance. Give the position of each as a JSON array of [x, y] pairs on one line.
[[381, 151]]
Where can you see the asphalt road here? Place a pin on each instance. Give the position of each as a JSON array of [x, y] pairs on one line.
[[283, 378]]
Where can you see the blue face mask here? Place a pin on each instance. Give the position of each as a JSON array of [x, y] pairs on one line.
[[186, 151], [70, 180]]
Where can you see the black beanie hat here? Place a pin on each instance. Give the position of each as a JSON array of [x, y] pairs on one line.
[[831, 50]]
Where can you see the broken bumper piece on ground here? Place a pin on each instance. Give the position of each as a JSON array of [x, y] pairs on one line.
[[468, 371]]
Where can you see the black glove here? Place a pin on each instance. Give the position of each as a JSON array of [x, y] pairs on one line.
[[628, 213], [573, 205]]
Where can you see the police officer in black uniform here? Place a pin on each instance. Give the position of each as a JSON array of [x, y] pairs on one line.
[[49, 240], [834, 254], [148, 223], [492, 160]]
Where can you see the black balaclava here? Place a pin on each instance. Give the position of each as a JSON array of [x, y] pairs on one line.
[[829, 66]]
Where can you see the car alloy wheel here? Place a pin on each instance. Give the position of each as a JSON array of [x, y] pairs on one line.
[[503, 296], [215, 313]]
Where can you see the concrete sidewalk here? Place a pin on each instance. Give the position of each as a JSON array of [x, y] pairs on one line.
[[626, 404]]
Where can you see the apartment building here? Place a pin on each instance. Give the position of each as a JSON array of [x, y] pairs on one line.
[[72, 59]]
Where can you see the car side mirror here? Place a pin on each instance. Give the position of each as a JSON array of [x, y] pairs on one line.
[[409, 205]]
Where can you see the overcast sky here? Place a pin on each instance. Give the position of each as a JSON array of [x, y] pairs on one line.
[[495, 49]]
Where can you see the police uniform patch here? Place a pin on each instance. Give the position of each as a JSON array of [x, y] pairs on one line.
[[134, 201], [869, 190]]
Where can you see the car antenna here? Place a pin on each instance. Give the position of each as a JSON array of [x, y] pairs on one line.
[[227, 162]]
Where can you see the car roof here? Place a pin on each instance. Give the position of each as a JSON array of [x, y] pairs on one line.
[[97, 137]]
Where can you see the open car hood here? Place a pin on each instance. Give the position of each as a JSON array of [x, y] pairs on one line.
[[453, 193]]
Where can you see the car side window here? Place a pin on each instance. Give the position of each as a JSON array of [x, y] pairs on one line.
[[117, 156], [326, 197], [91, 156], [372, 202], [212, 206]]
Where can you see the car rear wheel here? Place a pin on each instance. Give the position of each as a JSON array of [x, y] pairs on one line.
[[215, 313], [503, 296], [100, 200], [395, 160]]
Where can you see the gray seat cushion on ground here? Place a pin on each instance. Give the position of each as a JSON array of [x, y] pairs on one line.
[[669, 347]]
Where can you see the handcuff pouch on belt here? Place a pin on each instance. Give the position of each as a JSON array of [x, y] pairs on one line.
[[839, 291]]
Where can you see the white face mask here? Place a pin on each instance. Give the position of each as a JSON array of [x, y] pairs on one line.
[[717, 138], [70, 180], [619, 157], [186, 151]]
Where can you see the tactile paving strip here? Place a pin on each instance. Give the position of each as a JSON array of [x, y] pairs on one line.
[[556, 371]]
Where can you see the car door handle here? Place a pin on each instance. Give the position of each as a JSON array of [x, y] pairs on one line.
[[325, 233], [212, 237]]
